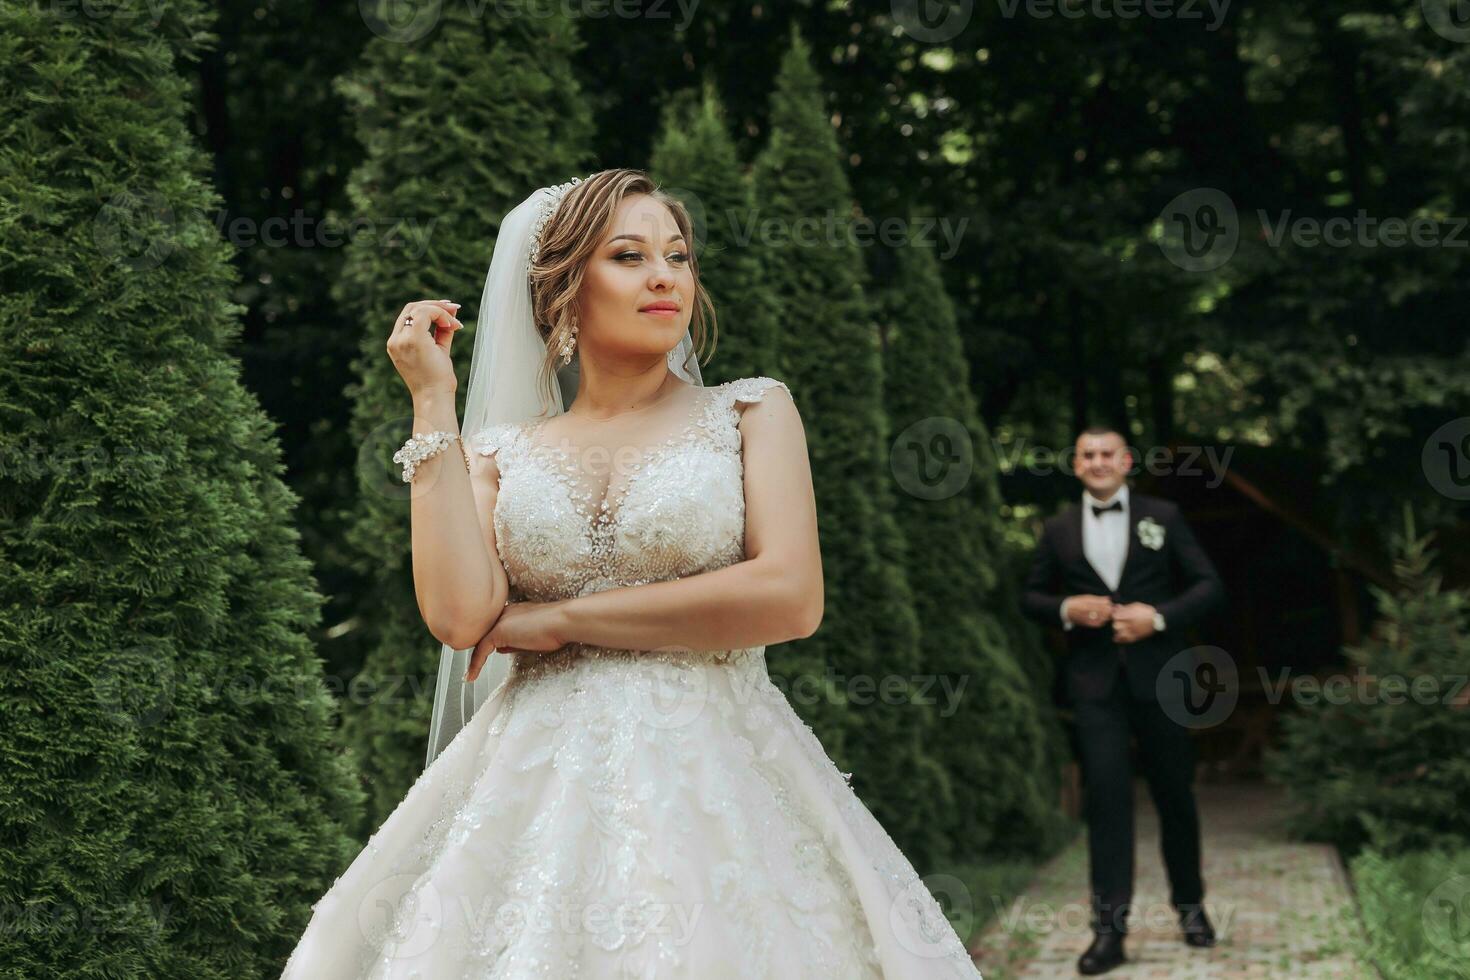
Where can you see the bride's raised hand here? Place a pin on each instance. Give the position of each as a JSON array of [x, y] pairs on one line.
[[419, 345]]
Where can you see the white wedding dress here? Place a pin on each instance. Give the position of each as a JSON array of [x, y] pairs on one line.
[[625, 814]]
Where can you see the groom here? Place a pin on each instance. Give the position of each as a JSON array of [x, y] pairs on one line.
[[1123, 575]]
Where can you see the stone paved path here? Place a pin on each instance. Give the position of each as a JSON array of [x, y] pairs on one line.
[[1280, 908]]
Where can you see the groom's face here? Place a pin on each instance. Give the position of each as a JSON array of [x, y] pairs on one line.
[[1101, 463], [644, 259]]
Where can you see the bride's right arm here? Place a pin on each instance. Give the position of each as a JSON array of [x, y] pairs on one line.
[[458, 578]]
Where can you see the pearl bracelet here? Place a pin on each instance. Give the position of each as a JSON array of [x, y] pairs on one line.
[[422, 446]]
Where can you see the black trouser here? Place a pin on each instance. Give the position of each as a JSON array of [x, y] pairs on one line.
[[1166, 755]]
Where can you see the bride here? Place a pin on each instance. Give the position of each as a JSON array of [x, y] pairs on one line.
[[615, 788]]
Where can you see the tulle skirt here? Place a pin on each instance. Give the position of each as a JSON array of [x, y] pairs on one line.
[[649, 816]]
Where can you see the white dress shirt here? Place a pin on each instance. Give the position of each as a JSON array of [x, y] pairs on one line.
[[1104, 541]]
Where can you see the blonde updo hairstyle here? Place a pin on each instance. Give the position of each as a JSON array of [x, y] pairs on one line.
[[571, 237]]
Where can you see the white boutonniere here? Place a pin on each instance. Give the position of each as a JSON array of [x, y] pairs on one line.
[[1151, 533]]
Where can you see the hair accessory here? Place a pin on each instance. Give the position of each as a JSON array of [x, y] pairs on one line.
[[552, 200]]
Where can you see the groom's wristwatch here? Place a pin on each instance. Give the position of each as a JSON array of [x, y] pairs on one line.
[[1158, 622]]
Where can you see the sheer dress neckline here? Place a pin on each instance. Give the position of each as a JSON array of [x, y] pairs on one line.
[[671, 502], [598, 477]]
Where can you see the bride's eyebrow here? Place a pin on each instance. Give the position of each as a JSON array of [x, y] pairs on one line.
[[639, 238]]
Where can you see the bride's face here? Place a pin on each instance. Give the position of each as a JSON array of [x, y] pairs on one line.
[[642, 263]]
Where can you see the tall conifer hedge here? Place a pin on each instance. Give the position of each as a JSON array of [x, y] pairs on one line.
[[996, 733], [170, 801], [857, 680]]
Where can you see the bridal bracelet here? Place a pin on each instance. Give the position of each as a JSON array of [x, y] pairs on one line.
[[420, 447]]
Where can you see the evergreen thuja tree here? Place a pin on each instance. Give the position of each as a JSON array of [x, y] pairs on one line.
[[457, 130], [695, 159], [864, 661], [171, 801], [1383, 760], [990, 732]]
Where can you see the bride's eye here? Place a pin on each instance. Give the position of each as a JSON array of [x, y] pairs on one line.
[[680, 256]]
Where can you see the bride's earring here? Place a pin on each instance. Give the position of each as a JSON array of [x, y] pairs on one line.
[[568, 342]]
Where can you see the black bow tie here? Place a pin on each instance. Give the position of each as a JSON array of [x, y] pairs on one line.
[[1100, 511]]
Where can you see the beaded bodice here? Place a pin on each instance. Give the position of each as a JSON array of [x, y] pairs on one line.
[[653, 498]]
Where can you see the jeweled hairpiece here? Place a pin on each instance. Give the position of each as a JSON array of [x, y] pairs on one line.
[[550, 202]]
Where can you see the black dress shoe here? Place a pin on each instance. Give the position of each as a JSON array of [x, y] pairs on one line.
[[1196, 926], [1105, 953]]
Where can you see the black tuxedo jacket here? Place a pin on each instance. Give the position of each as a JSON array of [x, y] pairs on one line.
[[1178, 579]]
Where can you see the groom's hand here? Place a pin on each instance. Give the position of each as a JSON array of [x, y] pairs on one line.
[[1132, 621], [1090, 610]]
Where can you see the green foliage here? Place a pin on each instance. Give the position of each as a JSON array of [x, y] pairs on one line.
[[1384, 762], [1349, 348], [1414, 909], [999, 741], [1363, 416], [172, 803], [828, 354], [457, 133], [281, 155]]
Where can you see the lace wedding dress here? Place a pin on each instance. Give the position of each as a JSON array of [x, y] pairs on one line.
[[627, 814]]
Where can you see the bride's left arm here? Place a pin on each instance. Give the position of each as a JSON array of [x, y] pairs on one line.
[[774, 595]]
